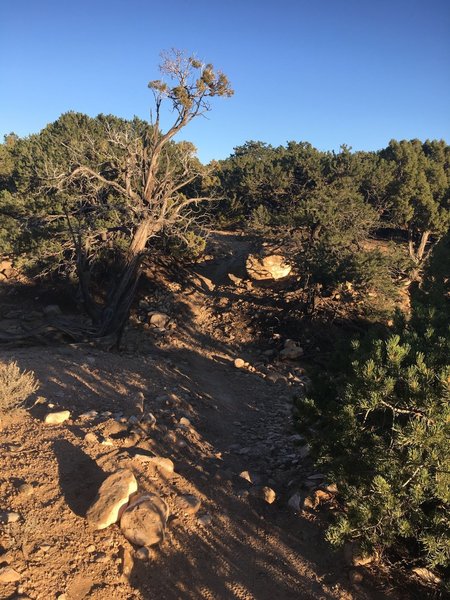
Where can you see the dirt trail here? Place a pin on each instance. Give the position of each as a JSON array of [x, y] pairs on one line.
[[241, 547]]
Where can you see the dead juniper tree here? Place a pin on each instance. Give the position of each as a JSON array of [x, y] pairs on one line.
[[137, 173]]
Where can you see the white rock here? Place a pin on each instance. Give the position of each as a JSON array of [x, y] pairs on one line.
[[268, 494], [56, 418], [144, 522], [427, 575], [112, 497], [158, 319], [246, 475], [9, 517], [267, 268]]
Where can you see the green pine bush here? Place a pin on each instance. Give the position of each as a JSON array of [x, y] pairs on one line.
[[382, 432]]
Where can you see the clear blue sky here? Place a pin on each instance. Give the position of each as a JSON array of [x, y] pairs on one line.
[[329, 72]]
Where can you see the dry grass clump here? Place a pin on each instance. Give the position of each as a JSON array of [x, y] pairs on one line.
[[15, 386]]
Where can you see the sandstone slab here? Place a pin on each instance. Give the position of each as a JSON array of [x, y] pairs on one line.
[[112, 497]]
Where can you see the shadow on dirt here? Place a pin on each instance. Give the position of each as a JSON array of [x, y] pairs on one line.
[[79, 476]]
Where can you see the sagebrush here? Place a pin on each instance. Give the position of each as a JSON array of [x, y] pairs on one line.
[[16, 386]]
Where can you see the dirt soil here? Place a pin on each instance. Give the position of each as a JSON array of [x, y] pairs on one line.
[[237, 546]]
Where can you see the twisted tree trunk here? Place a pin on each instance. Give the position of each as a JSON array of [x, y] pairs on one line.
[[109, 321]]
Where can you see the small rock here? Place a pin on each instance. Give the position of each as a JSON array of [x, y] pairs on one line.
[[427, 575], [355, 577], [90, 548], [9, 517], [106, 441], [90, 414], [158, 319], [158, 462], [112, 496], [274, 377], [188, 503], [295, 501], [246, 475], [185, 422], [51, 310], [9, 575], [205, 519], [239, 363], [56, 418], [26, 489], [291, 351], [149, 420], [268, 494], [91, 438], [144, 522], [331, 488], [309, 503], [145, 554]]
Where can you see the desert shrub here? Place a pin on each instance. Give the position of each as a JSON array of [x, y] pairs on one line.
[[15, 386]]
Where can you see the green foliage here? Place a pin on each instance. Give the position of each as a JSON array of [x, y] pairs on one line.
[[260, 218], [382, 428]]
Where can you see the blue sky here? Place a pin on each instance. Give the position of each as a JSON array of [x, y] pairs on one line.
[[329, 72]]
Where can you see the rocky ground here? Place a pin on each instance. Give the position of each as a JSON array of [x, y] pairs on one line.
[[236, 506]]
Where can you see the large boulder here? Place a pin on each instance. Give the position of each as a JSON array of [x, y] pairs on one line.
[[111, 499], [267, 268]]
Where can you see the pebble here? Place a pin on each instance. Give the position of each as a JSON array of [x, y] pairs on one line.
[[239, 363], [268, 494], [144, 553], [427, 575], [295, 501], [91, 438], [205, 519], [9, 517], [26, 489], [264, 493], [90, 414], [246, 475], [56, 418], [185, 422], [188, 503], [157, 461], [9, 575]]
